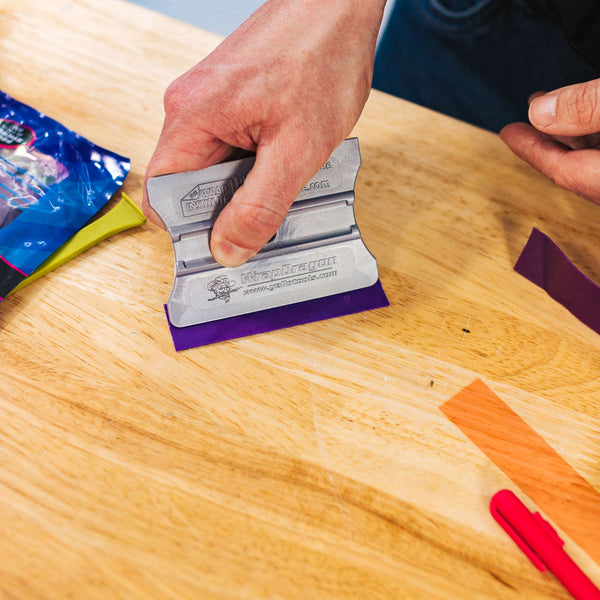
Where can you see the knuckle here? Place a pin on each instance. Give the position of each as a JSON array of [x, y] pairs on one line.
[[197, 96], [189, 88], [175, 97], [259, 220], [563, 177], [558, 177], [582, 103]]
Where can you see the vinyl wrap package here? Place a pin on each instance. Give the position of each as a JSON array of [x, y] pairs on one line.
[[52, 181]]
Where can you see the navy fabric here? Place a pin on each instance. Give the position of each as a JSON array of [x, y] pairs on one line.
[[476, 60]]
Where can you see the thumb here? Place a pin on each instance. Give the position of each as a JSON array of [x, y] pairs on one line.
[[258, 208], [573, 110]]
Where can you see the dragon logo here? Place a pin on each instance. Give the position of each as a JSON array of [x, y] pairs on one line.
[[222, 287]]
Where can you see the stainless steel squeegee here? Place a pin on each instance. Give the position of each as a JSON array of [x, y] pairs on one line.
[[317, 251]]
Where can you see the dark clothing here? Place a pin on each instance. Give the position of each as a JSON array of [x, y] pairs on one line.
[[476, 60]]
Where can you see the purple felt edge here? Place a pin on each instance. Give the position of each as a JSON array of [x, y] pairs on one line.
[[271, 319], [546, 265]]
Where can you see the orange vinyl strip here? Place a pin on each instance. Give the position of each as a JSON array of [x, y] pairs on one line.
[[524, 456]]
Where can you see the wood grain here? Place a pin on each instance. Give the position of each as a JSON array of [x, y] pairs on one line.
[[312, 462]]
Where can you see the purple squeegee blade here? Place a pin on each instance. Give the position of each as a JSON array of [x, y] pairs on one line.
[[300, 313], [546, 265]]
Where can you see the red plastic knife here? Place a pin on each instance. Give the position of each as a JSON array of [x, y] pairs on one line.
[[540, 542]]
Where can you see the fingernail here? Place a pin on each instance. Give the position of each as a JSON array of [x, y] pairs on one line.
[[543, 110], [229, 254]]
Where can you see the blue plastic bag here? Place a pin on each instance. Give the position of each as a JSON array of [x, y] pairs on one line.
[[52, 181]]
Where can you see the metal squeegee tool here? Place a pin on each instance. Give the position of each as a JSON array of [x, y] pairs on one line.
[[309, 271]]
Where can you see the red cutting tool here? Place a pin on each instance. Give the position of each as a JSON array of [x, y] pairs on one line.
[[540, 542]]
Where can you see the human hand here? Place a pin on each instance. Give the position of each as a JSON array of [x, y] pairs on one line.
[[564, 141], [290, 84]]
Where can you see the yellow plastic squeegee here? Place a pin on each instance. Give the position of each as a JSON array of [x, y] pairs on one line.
[[125, 215]]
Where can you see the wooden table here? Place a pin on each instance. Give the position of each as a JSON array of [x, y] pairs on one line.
[[307, 463]]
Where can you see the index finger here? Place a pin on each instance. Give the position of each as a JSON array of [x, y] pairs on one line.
[[179, 149], [574, 170]]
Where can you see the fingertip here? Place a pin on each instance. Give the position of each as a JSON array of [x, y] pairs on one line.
[[228, 254], [244, 226], [542, 111], [152, 216], [505, 131], [514, 130], [535, 95]]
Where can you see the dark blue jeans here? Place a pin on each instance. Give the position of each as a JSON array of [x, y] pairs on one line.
[[476, 60]]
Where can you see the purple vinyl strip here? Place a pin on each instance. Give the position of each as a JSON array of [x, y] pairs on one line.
[[546, 265], [271, 319]]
